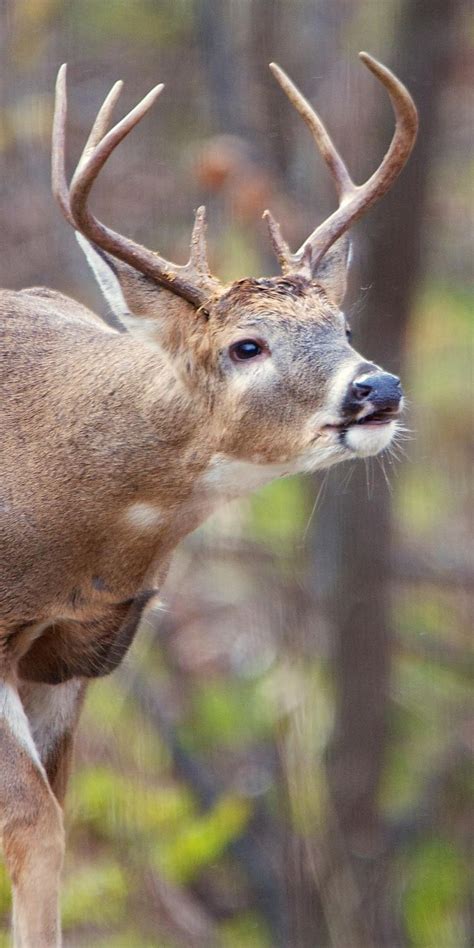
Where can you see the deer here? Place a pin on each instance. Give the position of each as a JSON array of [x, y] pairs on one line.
[[118, 441]]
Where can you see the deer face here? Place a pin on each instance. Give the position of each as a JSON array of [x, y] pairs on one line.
[[270, 359], [287, 386]]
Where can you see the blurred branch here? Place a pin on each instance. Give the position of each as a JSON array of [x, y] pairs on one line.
[[264, 884], [186, 918]]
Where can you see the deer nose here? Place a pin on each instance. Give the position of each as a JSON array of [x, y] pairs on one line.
[[381, 389]]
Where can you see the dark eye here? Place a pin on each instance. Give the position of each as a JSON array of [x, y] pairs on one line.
[[246, 349], [348, 333]]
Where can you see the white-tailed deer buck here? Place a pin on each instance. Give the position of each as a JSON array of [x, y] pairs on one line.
[[116, 444]]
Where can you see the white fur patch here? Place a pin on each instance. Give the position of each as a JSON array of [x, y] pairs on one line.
[[143, 516], [365, 440], [145, 328], [249, 374], [337, 390], [230, 477], [13, 713], [105, 277], [51, 711]]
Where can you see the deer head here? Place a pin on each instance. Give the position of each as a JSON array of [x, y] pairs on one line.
[[271, 357]]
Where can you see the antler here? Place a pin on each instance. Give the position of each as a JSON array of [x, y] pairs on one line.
[[193, 281], [354, 199]]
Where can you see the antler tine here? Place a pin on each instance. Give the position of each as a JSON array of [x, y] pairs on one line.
[[58, 172], [342, 179], [354, 200], [191, 281], [198, 257], [102, 121], [279, 244]]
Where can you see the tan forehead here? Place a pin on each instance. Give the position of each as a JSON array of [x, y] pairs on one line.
[[275, 296]]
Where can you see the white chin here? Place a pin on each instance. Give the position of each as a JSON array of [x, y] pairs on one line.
[[366, 440]]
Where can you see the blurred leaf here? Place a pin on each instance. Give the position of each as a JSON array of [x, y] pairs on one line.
[[437, 884], [112, 803], [130, 938], [246, 931], [280, 511], [227, 713], [111, 712], [204, 840], [421, 612], [5, 890], [95, 895]]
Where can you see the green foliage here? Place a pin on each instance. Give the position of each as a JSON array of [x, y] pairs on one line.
[[96, 894], [437, 884], [112, 803], [440, 360], [443, 332], [424, 615], [227, 714], [130, 938], [427, 695], [279, 512], [5, 891], [246, 931], [122, 724], [203, 840]]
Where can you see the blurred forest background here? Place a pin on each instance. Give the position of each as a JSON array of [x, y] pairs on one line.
[[283, 758]]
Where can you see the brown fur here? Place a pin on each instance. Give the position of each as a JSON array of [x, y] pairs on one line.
[[112, 449]]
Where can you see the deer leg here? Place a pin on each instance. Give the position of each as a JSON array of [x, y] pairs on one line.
[[31, 828], [53, 712]]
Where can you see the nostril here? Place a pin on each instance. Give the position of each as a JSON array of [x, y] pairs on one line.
[[361, 390]]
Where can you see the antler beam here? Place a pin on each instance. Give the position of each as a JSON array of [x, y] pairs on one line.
[[354, 199], [193, 281]]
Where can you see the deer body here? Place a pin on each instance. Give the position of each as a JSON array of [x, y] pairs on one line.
[[123, 438], [116, 443]]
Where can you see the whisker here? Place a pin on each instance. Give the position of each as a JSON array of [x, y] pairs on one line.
[[384, 472], [319, 496], [367, 479], [347, 479]]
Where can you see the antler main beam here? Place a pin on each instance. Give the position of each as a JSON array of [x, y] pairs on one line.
[[193, 281], [354, 199]]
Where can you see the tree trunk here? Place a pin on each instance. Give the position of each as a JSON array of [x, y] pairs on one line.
[[356, 524]]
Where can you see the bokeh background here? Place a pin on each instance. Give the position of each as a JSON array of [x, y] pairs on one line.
[[283, 758]]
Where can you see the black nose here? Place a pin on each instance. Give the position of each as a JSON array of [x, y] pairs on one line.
[[381, 389]]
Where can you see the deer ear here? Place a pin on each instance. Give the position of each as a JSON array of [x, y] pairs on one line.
[[129, 293], [126, 290], [332, 270], [106, 276], [145, 309]]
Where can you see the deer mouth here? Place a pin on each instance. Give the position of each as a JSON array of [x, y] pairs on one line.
[[373, 419]]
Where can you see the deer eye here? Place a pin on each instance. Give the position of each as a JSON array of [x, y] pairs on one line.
[[246, 349], [348, 333]]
